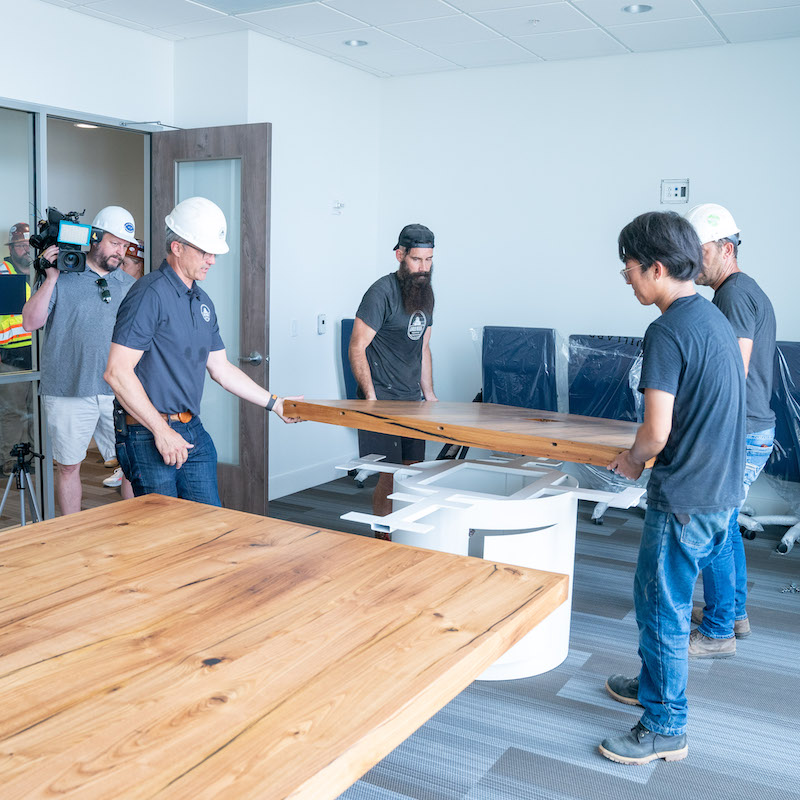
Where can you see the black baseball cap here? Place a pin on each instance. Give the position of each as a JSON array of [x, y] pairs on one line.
[[414, 235]]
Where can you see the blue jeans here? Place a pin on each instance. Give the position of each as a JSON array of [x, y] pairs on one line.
[[670, 558], [145, 468], [725, 579]]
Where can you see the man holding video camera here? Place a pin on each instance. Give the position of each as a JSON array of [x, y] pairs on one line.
[[79, 309]]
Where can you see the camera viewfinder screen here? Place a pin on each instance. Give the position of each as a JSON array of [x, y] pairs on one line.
[[72, 233]]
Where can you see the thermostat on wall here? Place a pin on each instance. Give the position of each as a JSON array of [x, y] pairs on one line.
[[675, 190]]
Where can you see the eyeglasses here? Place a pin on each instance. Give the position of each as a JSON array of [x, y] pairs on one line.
[[203, 253], [625, 270], [104, 291]]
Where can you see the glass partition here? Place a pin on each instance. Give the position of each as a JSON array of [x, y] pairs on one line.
[[17, 223]]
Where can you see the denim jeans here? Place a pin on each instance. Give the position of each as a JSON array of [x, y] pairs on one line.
[[670, 558], [725, 579], [145, 468]]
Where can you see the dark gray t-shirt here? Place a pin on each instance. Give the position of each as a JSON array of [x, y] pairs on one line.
[[78, 333], [690, 351], [750, 314], [177, 328], [395, 353]]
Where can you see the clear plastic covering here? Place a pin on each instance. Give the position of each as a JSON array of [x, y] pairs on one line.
[[521, 367], [783, 468], [604, 373]]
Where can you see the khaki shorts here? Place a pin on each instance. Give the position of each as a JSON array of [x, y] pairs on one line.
[[72, 423]]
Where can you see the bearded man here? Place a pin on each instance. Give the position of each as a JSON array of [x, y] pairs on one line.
[[78, 311], [390, 352]]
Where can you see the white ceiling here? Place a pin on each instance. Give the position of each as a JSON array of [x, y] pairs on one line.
[[415, 36]]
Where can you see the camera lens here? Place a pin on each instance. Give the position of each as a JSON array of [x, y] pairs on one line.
[[70, 260]]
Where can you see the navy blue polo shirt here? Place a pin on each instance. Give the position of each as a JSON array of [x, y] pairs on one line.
[[176, 328]]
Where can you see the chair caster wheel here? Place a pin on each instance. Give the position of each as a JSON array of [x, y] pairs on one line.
[[598, 521], [749, 535]]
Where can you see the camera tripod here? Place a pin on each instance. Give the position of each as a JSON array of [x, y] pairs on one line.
[[22, 474]]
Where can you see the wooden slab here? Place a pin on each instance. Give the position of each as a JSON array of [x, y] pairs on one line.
[[567, 437], [157, 648]]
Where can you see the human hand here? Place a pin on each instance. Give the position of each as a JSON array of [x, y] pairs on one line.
[[278, 408], [174, 449], [626, 465], [51, 257]]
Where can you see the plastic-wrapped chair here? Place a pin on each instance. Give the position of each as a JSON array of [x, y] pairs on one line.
[[604, 373], [783, 469], [351, 386]]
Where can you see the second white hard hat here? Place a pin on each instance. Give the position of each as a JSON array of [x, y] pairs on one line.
[[116, 221], [201, 223], [712, 222]]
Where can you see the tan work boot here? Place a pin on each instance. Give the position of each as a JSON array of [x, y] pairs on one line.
[[741, 627], [701, 646]]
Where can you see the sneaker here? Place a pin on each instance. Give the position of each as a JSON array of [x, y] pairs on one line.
[[641, 746], [701, 646], [624, 690], [741, 627], [115, 479]]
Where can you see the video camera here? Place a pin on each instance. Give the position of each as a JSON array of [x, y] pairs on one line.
[[65, 231]]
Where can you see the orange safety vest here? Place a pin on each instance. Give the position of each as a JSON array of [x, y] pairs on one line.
[[12, 334]]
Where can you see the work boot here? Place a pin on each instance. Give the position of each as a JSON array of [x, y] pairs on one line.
[[641, 746], [741, 627], [624, 690], [701, 646]]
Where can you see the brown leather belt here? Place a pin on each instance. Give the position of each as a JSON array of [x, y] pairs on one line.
[[184, 416]]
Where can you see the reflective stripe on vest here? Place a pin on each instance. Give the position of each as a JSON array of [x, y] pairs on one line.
[[12, 334]]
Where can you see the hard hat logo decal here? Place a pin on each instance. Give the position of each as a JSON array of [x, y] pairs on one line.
[[129, 227], [713, 219], [205, 312]]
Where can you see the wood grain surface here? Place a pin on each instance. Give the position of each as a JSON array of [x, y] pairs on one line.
[[157, 648], [527, 432]]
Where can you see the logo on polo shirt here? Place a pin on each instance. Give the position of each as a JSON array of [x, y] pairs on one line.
[[416, 325], [205, 312]]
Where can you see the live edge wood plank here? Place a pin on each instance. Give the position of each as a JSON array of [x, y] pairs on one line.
[[527, 432], [157, 648]]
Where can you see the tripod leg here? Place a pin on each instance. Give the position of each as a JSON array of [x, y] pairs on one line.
[[5, 494], [26, 480]]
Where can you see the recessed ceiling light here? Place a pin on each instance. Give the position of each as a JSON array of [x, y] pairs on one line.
[[356, 43], [83, 125], [637, 8]]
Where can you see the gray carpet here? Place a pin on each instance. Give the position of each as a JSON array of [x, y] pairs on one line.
[[536, 738]]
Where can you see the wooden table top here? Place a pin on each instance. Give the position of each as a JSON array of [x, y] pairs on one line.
[[157, 648], [509, 429]]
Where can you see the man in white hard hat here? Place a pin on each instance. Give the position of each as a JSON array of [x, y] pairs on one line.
[[749, 311], [165, 339], [79, 310]]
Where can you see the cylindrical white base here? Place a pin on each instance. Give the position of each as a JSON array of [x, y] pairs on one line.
[[534, 532]]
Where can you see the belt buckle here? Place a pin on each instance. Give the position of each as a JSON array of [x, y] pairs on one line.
[[185, 416]]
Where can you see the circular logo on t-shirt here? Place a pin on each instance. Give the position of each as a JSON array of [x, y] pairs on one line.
[[416, 325], [205, 311]]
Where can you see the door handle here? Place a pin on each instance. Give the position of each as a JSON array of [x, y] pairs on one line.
[[255, 358]]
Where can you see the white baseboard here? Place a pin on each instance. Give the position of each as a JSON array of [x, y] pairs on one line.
[[290, 482]]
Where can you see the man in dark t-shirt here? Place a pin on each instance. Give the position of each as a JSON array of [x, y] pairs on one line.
[[750, 314], [693, 385], [390, 352]]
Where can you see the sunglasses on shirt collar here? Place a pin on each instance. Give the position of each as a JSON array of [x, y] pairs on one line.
[[104, 290]]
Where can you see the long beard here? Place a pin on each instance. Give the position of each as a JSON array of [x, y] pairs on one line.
[[416, 289]]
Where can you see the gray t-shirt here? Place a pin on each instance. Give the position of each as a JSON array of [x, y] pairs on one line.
[[395, 353], [78, 333], [750, 314]]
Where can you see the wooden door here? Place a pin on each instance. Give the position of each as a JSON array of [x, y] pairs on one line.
[[231, 166]]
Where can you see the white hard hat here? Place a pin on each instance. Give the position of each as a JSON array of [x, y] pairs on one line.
[[712, 222], [201, 223], [116, 221]]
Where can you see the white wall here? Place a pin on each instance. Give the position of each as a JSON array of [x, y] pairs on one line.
[[526, 174], [55, 57], [325, 119], [90, 168]]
